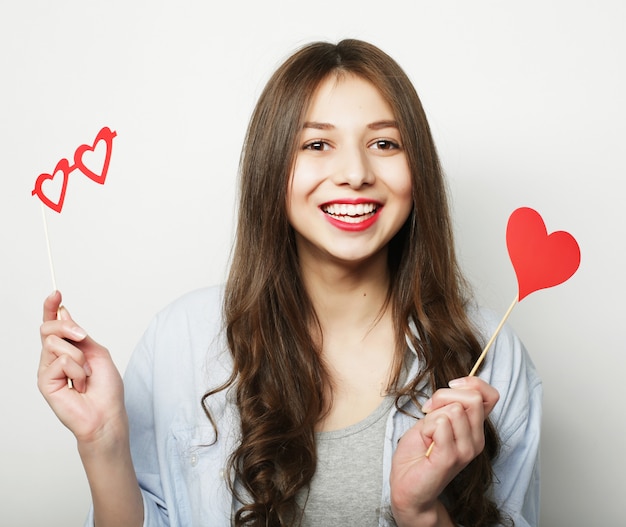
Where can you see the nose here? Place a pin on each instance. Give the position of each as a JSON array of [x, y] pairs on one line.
[[353, 168]]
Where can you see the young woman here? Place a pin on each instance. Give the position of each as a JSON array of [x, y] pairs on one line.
[[308, 390]]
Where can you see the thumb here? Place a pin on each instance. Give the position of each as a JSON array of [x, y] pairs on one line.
[[51, 306]]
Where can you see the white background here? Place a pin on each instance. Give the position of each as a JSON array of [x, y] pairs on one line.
[[526, 102]]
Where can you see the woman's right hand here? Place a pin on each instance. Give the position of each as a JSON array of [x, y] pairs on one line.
[[94, 408]]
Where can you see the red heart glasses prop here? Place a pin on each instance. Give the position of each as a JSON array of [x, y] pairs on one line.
[[62, 170], [540, 260], [94, 169], [104, 139], [93, 162]]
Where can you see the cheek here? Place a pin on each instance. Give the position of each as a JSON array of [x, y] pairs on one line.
[[395, 174], [403, 191], [402, 186], [304, 179], [305, 174]]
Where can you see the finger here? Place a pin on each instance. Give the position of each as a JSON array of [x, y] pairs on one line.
[[467, 431], [489, 394], [457, 417], [54, 377], [465, 410], [55, 347], [471, 391], [51, 306], [454, 437], [437, 430], [471, 400], [66, 329]]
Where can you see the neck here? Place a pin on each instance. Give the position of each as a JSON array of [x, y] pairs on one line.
[[347, 296], [357, 336]]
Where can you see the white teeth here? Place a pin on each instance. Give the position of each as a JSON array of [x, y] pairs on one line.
[[349, 210]]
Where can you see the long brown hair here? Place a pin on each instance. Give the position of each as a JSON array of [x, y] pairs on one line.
[[278, 377]]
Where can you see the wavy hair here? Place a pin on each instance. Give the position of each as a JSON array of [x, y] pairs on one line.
[[278, 380]]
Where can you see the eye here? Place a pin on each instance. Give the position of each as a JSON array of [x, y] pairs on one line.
[[385, 144], [316, 145]]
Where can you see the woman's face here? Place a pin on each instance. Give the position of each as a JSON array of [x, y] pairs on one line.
[[350, 190]]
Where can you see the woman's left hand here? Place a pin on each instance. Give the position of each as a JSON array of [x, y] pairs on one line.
[[454, 421]]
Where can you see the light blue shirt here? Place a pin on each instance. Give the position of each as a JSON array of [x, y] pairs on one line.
[[181, 468]]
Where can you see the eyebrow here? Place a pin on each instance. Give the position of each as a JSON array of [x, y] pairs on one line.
[[377, 125]]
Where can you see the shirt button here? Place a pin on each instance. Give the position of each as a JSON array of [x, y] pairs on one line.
[[193, 460]]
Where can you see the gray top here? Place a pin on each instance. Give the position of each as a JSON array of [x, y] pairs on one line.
[[347, 486]]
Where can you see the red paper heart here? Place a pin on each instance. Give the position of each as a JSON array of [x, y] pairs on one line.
[[540, 260], [64, 168], [105, 135]]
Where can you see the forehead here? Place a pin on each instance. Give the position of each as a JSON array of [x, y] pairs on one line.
[[340, 95]]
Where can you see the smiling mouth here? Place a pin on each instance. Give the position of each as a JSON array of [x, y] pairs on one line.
[[350, 213]]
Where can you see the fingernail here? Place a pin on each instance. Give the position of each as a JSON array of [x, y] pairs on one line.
[[87, 369], [427, 406], [457, 383], [78, 332]]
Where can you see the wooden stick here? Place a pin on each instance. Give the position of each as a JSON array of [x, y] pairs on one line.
[[493, 337], [45, 230], [70, 383], [484, 354]]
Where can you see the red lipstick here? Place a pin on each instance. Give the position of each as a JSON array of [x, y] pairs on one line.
[[352, 214]]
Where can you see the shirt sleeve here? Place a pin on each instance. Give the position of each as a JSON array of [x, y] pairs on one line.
[[178, 458], [140, 405], [517, 417], [138, 396]]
